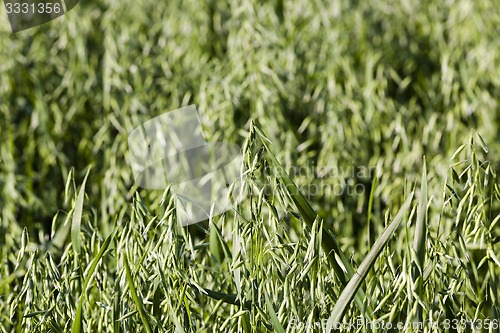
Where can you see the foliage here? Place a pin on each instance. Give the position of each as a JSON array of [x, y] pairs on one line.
[[347, 97]]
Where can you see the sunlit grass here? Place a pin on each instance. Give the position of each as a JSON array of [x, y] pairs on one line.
[[370, 109]]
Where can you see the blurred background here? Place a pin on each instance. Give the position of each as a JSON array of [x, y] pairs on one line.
[[343, 84], [352, 96]]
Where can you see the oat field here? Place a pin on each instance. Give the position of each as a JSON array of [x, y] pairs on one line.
[[370, 140]]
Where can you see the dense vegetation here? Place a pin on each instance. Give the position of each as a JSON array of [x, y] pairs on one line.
[[371, 108]]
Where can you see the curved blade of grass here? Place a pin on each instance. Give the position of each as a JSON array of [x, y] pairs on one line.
[[60, 236], [137, 300], [163, 279], [419, 240], [77, 217], [350, 290], [226, 298], [273, 316], [77, 324], [329, 241], [218, 245], [370, 205], [483, 143]]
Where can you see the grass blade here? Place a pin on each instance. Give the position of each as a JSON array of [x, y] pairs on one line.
[[350, 290], [77, 217], [419, 240], [370, 204], [137, 300], [274, 318], [77, 324], [163, 279], [226, 298], [329, 241]]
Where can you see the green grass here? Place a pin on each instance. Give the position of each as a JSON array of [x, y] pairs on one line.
[[385, 115]]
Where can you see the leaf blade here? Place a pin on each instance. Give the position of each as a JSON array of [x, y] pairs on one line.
[[77, 216], [354, 284]]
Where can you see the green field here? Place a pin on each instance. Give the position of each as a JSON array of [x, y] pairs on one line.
[[370, 137]]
